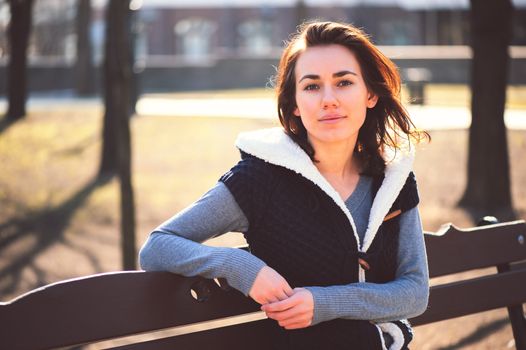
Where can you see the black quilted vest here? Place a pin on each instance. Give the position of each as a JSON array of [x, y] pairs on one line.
[[298, 230]]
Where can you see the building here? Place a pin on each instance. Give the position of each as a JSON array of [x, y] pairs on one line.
[[209, 44]]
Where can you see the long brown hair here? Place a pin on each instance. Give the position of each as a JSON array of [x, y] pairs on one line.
[[384, 124]]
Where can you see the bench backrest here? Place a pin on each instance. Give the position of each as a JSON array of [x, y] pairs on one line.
[[452, 250], [119, 304]]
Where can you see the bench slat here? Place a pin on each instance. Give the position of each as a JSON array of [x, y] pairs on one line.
[[252, 335], [477, 295], [457, 250], [118, 304]]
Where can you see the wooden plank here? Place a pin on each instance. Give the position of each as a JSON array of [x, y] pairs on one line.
[[253, 335], [471, 296], [453, 250], [111, 305]]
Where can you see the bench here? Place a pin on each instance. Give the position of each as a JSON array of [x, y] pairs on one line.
[[416, 80], [123, 304]]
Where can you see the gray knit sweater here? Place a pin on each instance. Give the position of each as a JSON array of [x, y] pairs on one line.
[[174, 247]]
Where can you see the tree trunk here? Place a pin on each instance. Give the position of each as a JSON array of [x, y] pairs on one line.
[[488, 185], [108, 164], [118, 72], [18, 34], [301, 11], [84, 71]]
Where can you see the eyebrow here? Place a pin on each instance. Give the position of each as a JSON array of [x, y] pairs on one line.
[[335, 75]]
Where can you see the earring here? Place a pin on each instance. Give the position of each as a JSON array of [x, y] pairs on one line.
[[293, 127]]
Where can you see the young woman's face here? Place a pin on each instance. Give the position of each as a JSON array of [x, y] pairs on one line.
[[331, 95]]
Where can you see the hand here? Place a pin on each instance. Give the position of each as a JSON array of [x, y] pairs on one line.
[[269, 287], [294, 312]]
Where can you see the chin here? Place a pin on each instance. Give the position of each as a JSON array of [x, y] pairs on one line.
[[334, 136]]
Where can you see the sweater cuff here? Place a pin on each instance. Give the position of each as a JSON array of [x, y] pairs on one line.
[[247, 268], [322, 305], [326, 308]]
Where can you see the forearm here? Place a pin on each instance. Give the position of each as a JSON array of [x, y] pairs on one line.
[[400, 299], [167, 252], [404, 297], [174, 245]]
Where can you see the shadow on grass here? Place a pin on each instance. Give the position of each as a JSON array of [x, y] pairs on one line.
[[478, 335], [5, 124], [46, 227], [80, 147]]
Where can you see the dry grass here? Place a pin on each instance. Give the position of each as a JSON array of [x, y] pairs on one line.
[[57, 223]]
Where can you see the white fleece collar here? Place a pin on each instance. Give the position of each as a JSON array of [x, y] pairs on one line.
[[274, 146]]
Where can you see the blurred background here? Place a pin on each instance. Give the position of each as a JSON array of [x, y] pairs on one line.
[[115, 115]]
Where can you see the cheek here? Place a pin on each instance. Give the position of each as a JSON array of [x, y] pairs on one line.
[[306, 103], [359, 102], [297, 99]]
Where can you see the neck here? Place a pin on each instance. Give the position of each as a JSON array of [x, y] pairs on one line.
[[335, 160]]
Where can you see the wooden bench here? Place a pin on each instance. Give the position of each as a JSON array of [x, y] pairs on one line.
[[113, 305]]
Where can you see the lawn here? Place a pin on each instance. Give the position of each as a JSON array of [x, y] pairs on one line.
[[57, 221]]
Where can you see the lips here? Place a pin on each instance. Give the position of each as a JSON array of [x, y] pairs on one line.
[[331, 118]]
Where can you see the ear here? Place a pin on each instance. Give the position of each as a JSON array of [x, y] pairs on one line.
[[371, 100], [296, 112]]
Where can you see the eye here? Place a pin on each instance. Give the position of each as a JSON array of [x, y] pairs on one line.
[[345, 83], [311, 87]]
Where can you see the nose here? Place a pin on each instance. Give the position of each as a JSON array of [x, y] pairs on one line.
[[329, 99]]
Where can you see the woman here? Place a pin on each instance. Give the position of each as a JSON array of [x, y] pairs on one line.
[[327, 203]]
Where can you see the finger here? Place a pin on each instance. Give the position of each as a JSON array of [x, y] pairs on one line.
[[270, 299], [288, 290], [277, 295], [286, 313], [280, 305], [298, 289], [295, 312], [300, 320], [266, 298], [283, 315], [297, 325], [284, 294]]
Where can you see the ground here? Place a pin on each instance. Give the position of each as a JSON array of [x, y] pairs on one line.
[[58, 222]]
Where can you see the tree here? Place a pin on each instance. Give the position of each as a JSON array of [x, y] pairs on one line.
[[18, 34], [84, 70], [488, 185], [108, 162], [117, 77], [301, 11]]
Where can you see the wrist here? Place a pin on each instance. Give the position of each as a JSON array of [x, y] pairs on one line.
[[247, 267]]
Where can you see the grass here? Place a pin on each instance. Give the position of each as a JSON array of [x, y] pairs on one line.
[[460, 96], [56, 222]]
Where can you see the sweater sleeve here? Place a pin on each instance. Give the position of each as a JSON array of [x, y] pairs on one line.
[[175, 245], [402, 298]]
